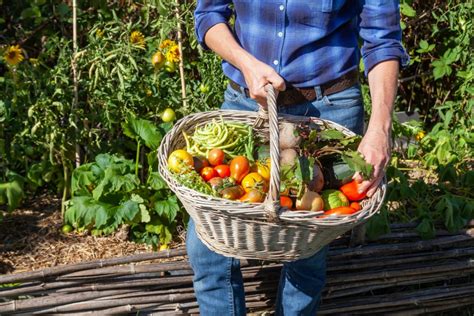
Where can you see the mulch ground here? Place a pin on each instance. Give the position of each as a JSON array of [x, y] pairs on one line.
[[31, 239]]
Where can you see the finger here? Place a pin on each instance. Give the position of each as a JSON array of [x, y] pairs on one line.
[[373, 188], [357, 177], [277, 82], [365, 185]]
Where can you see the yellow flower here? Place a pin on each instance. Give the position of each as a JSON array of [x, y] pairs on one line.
[[100, 33], [137, 39], [419, 136], [149, 93], [173, 54], [13, 55], [167, 43]]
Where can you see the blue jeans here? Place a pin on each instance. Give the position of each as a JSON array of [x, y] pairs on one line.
[[218, 280]]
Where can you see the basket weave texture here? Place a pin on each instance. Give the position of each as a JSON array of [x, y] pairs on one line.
[[259, 230]]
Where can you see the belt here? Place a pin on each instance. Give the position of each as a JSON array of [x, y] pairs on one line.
[[294, 95]]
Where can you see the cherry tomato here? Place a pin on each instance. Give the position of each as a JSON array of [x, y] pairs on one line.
[[170, 66], [158, 60], [207, 173], [286, 201], [168, 115], [216, 183], [180, 161], [262, 169], [253, 196], [356, 206], [351, 190], [216, 157], [223, 170], [239, 168], [254, 181]]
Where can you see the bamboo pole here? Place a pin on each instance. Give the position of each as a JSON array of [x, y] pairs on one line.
[[75, 81], [181, 59], [54, 271]]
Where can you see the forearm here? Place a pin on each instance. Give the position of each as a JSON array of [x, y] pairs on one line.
[[220, 39], [383, 80]]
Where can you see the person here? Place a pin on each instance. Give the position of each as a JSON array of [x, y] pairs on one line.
[[309, 52]]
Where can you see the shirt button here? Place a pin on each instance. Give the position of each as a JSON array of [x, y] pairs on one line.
[[282, 7], [280, 34], [275, 62]]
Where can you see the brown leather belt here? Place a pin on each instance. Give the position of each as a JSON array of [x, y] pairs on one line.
[[299, 95]]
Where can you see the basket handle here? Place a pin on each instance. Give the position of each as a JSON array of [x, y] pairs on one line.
[[272, 202]]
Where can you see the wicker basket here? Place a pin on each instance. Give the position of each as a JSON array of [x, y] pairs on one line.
[[265, 230]]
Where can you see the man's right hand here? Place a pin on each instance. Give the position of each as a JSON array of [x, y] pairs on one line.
[[257, 75]]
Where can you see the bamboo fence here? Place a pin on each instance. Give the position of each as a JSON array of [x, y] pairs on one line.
[[397, 274]]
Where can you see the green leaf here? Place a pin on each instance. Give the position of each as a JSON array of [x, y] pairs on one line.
[[378, 225], [12, 192], [143, 130], [83, 211], [168, 208], [407, 10], [144, 214], [426, 228], [127, 211], [155, 181], [357, 163], [331, 134]]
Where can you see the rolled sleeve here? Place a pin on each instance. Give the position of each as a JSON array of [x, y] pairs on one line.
[[381, 33], [208, 14]]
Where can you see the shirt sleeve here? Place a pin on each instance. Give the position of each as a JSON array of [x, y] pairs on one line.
[[379, 28], [209, 13]]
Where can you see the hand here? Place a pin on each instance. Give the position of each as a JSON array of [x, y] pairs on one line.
[[376, 148], [257, 75]]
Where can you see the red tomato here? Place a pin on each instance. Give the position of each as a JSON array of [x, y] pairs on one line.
[[207, 173], [356, 206], [351, 190], [286, 201], [341, 210], [239, 168], [223, 170], [216, 157]]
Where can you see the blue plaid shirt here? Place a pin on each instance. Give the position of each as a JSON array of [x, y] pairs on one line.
[[308, 42]]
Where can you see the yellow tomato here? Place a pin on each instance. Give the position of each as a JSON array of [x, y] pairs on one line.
[[180, 161], [262, 169], [254, 181]]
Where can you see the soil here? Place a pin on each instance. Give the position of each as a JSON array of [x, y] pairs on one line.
[[31, 239]]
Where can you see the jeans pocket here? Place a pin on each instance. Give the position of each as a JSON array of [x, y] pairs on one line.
[[346, 98], [230, 95]]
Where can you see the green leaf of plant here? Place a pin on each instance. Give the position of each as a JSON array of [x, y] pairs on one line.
[[426, 228], [407, 10], [12, 192], [357, 163], [144, 214], [331, 134], [143, 130], [378, 225], [168, 208], [155, 181], [127, 211]]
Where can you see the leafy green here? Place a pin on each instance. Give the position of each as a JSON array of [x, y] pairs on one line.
[[357, 163]]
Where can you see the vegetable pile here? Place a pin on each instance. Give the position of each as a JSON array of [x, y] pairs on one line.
[[226, 159]]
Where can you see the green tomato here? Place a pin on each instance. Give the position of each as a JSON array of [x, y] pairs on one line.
[[66, 229], [168, 115], [204, 88], [170, 67]]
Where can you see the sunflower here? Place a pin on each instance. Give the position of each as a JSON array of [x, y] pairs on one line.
[[173, 54], [137, 39], [167, 43], [13, 55]]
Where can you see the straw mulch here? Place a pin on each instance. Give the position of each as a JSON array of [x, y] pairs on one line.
[[31, 239]]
